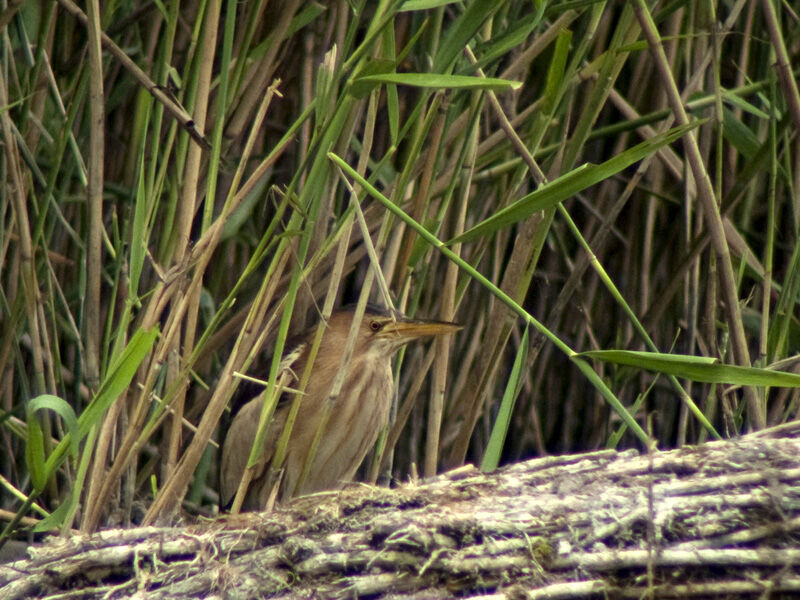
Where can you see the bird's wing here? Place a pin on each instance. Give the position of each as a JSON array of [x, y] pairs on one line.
[[237, 446], [242, 433]]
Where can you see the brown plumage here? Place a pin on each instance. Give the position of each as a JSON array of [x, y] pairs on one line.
[[356, 417]]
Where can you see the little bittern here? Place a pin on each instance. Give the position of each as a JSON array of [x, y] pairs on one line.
[[357, 414]]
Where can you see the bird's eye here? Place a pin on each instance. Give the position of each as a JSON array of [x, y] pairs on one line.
[[374, 325]]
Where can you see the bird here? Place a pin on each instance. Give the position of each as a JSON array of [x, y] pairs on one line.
[[356, 417]]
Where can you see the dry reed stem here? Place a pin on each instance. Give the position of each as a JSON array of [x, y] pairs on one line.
[[94, 241], [712, 214]]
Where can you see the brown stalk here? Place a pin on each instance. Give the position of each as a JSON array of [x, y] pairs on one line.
[[516, 279], [132, 441], [174, 488], [669, 158], [94, 239], [11, 9], [202, 254], [782, 63], [186, 213], [27, 268], [172, 107], [260, 73], [710, 209], [520, 64], [446, 312], [423, 189], [334, 283], [404, 411], [164, 292]]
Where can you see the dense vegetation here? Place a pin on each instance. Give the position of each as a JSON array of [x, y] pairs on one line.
[[186, 185]]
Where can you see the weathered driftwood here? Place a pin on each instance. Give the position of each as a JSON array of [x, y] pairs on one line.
[[718, 520]]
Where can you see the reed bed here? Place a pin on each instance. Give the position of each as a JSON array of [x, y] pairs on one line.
[[605, 195]]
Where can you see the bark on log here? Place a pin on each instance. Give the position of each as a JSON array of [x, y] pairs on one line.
[[712, 521]]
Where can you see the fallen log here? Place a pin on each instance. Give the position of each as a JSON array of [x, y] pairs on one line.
[[717, 520]]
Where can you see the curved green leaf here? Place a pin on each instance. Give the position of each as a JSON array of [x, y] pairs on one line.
[[119, 377], [462, 31], [554, 192], [410, 5], [64, 410], [35, 459], [34, 452], [54, 519], [439, 81], [696, 368]]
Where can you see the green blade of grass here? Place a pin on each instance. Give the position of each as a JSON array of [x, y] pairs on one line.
[[569, 184], [35, 460], [34, 453], [462, 30], [410, 5], [696, 368], [440, 81], [500, 429], [119, 377], [62, 408]]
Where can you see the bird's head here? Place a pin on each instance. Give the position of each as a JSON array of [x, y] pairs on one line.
[[383, 332]]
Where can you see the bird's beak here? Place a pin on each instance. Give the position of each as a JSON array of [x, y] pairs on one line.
[[411, 329]]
